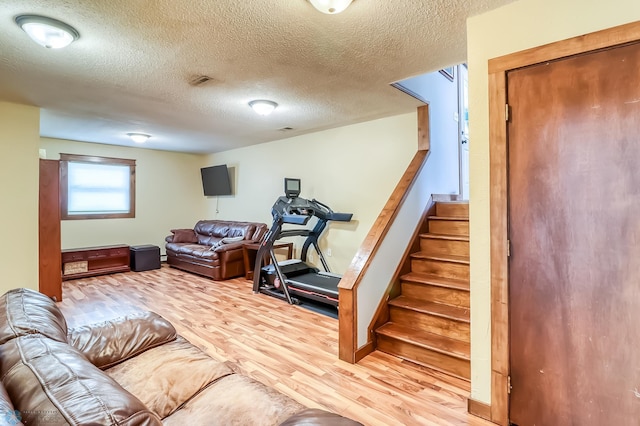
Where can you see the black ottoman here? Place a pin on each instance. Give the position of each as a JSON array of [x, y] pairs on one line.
[[144, 258]]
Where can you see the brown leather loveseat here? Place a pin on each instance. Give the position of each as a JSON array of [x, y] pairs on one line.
[[213, 248], [132, 370]]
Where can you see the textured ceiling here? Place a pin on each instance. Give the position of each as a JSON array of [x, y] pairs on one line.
[[131, 67]]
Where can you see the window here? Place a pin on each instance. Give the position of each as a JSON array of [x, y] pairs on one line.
[[97, 187]]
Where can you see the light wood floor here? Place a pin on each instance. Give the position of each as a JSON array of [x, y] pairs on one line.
[[284, 346]]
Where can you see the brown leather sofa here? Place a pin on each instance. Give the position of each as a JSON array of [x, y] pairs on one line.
[[132, 370], [210, 248]]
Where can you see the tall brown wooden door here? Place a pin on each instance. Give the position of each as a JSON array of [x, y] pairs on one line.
[[574, 229]]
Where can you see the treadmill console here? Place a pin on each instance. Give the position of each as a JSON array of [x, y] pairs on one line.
[[291, 187]]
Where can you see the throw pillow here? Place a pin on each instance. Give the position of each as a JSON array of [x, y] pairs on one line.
[[229, 240], [184, 236]]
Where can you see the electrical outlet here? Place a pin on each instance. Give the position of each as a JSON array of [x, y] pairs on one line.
[[328, 252]]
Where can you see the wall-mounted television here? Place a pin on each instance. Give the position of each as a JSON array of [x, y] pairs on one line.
[[215, 180]]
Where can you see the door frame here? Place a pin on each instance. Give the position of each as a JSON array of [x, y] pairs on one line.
[[498, 163], [463, 132]]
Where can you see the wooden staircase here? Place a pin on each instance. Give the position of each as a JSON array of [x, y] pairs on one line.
[[429, 321]]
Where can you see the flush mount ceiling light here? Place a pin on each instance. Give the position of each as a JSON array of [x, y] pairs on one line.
[[138, 137], [330, 7], [47, 32], [263, 107]]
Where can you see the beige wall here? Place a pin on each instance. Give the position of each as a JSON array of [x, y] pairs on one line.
[[515, 27], [19, 138], [168, 195], [351, 169]]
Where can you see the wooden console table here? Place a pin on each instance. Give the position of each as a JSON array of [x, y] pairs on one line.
[[91, 261], [249, 252]]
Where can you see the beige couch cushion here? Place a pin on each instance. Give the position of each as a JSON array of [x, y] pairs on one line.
[[236, 400], [168, 376]]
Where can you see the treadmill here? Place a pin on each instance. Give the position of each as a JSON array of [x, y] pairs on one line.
[[293, 279]]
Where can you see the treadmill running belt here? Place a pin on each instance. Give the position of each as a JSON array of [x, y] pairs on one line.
[[319, 283]]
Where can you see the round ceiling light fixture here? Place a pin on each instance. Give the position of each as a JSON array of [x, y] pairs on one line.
[[47, 32], [263, 107], [139, 137], [331, 7]]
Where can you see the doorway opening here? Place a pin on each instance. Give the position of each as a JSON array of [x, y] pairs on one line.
[[448, 91]]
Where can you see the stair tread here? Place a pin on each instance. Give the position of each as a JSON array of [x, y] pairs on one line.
[[458, 218], [433, 308], [443, 258], [424, 339], [445, 237], [430, 279]]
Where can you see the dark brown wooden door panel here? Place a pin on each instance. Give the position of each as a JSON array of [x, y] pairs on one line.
[[574, 227]]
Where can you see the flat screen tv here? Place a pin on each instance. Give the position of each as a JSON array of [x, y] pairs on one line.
[[215, 180]]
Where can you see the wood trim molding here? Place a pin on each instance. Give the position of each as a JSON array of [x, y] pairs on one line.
[[603, 39], [95, 159], [49, 232], [347, 289], [347, 325], [364, 351], [479, 409], [498, 198], [499, 261]]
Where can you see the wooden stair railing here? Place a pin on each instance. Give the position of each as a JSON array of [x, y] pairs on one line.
[[347, 289]]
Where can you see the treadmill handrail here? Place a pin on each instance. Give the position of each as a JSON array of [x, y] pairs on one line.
[[295, 219], [340, 217]]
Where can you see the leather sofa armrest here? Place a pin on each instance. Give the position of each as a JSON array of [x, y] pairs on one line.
[[8, 413], [111, 342], [24, 311], [317, 417], [169, 238]]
